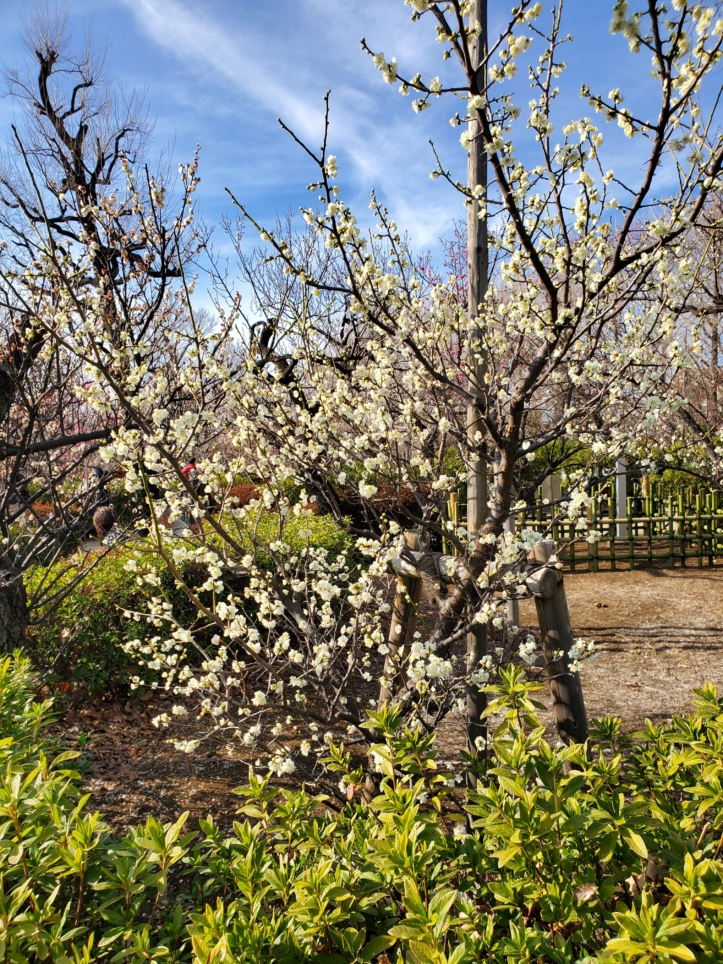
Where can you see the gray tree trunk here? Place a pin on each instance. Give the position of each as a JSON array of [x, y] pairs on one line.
[[13, 612]]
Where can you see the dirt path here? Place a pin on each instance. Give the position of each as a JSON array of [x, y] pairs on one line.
[[659, 633]]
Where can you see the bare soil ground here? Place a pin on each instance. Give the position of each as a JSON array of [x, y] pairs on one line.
[[659, 636]]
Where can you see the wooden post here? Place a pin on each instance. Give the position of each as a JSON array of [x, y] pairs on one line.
[[513, 606], [645, 485], [554, 620], [709, 513], [402, 626], [681, 527], [595, 545], [631, 532], [648, 512]]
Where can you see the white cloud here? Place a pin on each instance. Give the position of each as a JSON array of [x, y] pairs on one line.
[[201, 42], [277, 59], [286, 73]]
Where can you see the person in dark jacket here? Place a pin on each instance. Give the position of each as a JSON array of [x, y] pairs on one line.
[[105, 524]]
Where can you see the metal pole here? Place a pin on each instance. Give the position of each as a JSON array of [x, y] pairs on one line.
[[477, 270]]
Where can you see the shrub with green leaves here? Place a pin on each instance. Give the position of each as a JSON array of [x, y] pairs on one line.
[[69, 890], [317, 531], [80, 640], [611, 855]]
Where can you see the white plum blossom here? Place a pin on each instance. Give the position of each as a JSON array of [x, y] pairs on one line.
[[528, 650], [580, 651]]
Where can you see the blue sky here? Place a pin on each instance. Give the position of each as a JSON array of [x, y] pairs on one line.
[[219, 72]]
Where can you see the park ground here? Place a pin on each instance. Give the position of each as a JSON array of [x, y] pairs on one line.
[[658, 634]]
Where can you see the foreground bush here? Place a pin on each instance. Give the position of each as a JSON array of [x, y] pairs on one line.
[[614, 861]]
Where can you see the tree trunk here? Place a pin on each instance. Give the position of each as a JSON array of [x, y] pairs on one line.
[[13, 612], [402, 627]]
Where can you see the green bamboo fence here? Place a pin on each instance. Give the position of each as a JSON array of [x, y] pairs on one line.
[[665, 525]]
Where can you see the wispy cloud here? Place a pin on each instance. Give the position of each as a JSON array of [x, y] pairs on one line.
[[284, 76], [205, 44]]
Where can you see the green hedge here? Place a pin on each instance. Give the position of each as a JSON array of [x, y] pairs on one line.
[[80, 640], [325, 533], [611, 858]]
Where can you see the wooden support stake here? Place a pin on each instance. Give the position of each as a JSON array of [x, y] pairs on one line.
[[595, 547], [402, 626], [621, 495], [513, 606], [556, 632], [709, 511]]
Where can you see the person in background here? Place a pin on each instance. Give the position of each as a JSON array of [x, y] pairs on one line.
[[98, 495], [181, 526], [100, 483], [105, 524], [184, 524], [205, 501]]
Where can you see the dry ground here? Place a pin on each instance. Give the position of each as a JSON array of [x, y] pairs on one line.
[[659, 637], [659, 634]]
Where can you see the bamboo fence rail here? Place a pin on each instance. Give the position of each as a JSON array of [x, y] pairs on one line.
[[665, 526]]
